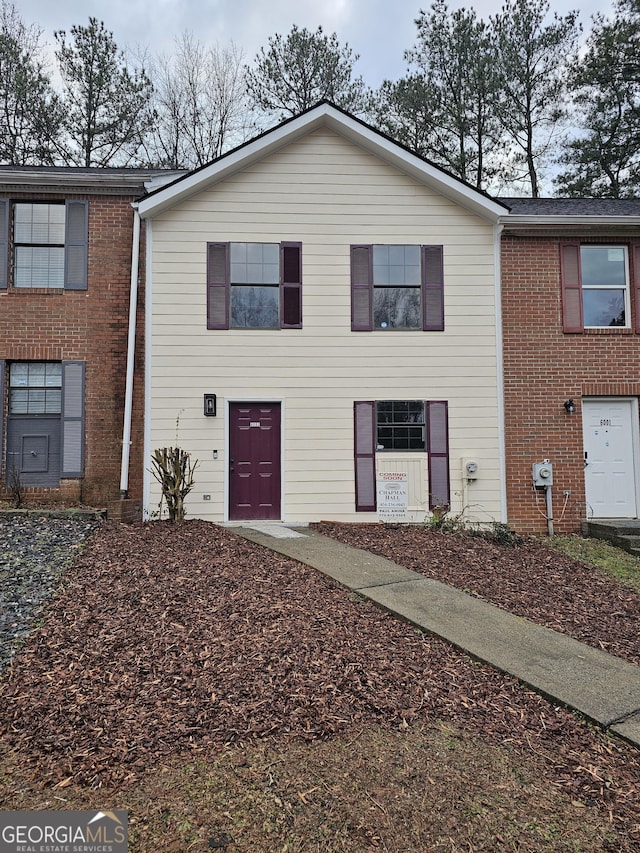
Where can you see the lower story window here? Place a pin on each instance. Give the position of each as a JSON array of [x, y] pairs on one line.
[[45, 421], [400, 425], [35, 388]]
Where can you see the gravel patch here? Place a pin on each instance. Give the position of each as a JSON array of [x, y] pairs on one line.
[[34, 550]]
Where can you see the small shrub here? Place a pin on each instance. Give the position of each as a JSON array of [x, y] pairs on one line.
[[173, 469], [498, 532], [16, 487], [441, 520]]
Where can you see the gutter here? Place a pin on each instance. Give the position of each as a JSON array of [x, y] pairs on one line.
[[517, 221], [131, 345]]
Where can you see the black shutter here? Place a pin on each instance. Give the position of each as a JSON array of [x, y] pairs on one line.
[[4, 242], [291, 286], [361, 289], [365, 455], [76, 245], [433, 288], [72, 452], [217, 285], [572, 311], [438, 453]]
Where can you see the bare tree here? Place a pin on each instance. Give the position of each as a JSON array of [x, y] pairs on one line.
[[200, 104]]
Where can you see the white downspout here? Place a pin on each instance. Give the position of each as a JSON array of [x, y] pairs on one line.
[[131, 345], [497, 247]]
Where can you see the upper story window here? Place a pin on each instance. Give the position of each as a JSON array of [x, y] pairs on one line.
[[595, 287], [254, 285], [45, 244], [605, 286], [38, 245], [255, 281], [397, 287]]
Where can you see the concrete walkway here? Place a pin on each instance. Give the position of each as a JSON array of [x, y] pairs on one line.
[[604, 688]]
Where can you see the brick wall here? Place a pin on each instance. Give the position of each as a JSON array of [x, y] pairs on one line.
[[543, 367], [91, 326]]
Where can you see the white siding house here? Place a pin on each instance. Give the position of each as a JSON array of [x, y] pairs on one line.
[[339, 297]]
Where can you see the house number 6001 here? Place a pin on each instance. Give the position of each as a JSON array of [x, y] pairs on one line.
[[605, 421]]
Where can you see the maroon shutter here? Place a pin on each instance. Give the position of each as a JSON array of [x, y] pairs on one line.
[[572, 314], [4, 242], [635, 285], [365, 455], [432, 289], [291, 287], [361, 289], [76, 245], [438, 453], [217, 285]]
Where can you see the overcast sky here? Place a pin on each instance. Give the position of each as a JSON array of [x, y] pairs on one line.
[[378, 30]]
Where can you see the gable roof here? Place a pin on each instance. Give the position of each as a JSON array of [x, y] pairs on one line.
[[324, 115]]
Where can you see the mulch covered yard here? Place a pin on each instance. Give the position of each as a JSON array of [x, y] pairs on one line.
[[530, 580], [171, 638]]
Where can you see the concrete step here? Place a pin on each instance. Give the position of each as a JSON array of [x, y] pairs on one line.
[[623, 533], [614, 527]]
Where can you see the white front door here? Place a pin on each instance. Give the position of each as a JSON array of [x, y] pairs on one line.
[[610, 428]]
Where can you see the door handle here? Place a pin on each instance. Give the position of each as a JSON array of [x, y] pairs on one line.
[[585, 459]]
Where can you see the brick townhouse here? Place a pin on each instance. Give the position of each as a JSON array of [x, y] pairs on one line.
[[570, 280], [67, 237]]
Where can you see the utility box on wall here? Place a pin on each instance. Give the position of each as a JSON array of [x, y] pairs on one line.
[[542, 473]]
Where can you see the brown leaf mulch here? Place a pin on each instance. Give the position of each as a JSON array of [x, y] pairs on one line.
[[169, 638], [529, 580]]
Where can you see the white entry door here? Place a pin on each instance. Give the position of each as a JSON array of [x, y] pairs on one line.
[[610, 428]]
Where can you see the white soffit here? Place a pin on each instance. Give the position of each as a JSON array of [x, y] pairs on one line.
[[360, 134]]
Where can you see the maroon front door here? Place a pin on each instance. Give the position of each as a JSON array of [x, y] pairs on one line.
[[254, 461]]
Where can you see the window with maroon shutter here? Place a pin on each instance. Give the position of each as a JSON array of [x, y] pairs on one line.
[[438, 453], [254, 285], [397, 288], [595, 286]]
